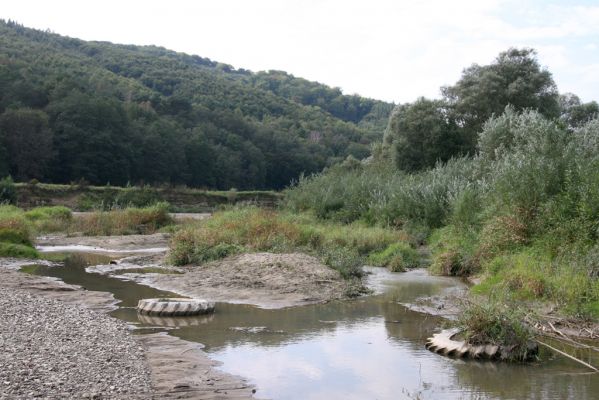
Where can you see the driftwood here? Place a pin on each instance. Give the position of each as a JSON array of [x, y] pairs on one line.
[[568, 355]]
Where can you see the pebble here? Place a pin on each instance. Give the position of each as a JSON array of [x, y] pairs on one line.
[[54, 350]]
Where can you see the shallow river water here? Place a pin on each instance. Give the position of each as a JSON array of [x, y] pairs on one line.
[[369, 348]]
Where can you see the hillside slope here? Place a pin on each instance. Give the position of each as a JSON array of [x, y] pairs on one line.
[[72, 109]]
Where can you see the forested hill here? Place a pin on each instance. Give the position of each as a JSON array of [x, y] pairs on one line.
[[72, 109]]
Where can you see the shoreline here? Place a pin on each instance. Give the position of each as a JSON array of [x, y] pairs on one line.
[[168, 358]]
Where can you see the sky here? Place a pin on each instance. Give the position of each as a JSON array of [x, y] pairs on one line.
[[392, 50]]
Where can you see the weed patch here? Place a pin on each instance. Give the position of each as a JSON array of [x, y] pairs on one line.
[[342, 247], [124, 221], [499, 324]]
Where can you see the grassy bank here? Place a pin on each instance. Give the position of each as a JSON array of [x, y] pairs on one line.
[[126, 221], [82, 197], [522, 214], [343, 247], [18, 228]]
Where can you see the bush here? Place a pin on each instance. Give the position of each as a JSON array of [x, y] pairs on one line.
[[56, 212], [397, 257], [491, 322], [454, 252], [17, 251], [144, 196], [8, 191], [14, 228], [502, 233], [50, 219]]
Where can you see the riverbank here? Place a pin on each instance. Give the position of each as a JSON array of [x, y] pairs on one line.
[[59, 343], [84, 197]]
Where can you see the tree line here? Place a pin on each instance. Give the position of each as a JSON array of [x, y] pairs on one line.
[[425, 132], [74, 110]]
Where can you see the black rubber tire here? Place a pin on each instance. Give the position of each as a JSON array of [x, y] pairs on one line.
[[174, 307]]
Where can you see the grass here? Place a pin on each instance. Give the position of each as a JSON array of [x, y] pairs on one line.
[[82, 197], [397, 257], [499, 324], [16, 233], [17, 250], [250, 229], [18, 228], [126, 221], [50, 219]]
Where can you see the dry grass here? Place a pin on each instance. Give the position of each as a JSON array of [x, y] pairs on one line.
[[343, 247], [123, 221]]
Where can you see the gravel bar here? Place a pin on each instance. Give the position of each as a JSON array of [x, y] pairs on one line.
[[55, 350]]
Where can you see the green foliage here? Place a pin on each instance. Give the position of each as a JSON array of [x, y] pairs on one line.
[[379, 195], [40, 213], [515, 78], [455, 252], [499, 324], [28, 140], [397, 257], [368, 113], [16, 233], [342, 247], [8, 192], [116, 114], [17, 250], [574, 113], [14, 228], [427, 131], [533, 185], [423, 134]]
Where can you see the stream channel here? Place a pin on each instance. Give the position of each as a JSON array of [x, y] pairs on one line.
[[368, 348]]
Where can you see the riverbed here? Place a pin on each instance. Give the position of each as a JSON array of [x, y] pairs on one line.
[[368, 348]]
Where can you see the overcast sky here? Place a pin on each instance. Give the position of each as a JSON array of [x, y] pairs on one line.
[[386, 49]]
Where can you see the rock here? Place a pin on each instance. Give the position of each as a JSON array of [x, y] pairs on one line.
[[60, 351]]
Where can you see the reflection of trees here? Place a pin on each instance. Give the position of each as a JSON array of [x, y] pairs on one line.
[[290, 324]]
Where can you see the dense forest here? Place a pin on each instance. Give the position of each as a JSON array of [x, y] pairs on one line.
[[72, 110]]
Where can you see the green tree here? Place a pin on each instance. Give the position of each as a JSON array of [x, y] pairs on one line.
[[8, 192], [422, 133], [27, 139], [515, 78], [92, 137], [574, 113]]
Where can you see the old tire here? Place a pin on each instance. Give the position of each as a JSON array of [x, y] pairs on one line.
[[444, 343], [174, 322], [174, 307]]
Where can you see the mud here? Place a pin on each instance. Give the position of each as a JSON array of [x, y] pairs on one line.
[[263, 279], [118, 244]]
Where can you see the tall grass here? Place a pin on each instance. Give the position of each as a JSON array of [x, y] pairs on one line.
[[343, 247], [500, 324], [125, 221], [19, 228], [532, 188]]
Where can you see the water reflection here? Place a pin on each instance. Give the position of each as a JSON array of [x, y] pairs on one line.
[[370, 348]]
